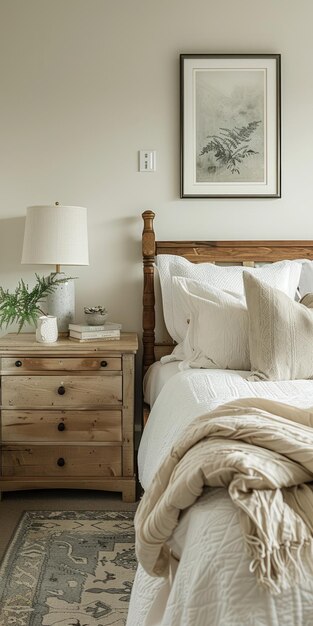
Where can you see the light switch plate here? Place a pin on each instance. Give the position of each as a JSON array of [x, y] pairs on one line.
[[147, 160]]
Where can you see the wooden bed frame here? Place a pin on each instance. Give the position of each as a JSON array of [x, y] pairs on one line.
[[238, 252]]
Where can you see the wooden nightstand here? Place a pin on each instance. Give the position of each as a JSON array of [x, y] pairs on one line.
[[67, 414]]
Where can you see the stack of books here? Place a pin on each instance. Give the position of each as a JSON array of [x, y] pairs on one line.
[[81, 332]]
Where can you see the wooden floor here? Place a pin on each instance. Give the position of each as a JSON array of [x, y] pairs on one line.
[[14, 503]]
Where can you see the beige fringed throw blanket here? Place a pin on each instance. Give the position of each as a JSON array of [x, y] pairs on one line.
[[262, 452]]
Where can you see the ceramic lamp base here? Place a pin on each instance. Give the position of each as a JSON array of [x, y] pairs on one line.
[[61, 303]]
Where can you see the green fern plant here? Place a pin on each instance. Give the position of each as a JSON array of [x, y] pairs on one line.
[[231, 146], [24, 305]]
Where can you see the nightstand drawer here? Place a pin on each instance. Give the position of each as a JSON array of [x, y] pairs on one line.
[[61, 426], [23, 460], [61, 391], [20, 365]]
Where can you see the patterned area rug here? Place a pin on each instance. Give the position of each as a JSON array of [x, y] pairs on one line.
[[68, 569]]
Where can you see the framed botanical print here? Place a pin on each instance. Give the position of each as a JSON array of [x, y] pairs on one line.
[[230, 125]]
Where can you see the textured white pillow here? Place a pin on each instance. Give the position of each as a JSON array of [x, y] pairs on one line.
[[284, 275], [280, 333], [217, 333]]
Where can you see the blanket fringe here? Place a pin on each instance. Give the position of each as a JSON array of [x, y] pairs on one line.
[[281, 567]]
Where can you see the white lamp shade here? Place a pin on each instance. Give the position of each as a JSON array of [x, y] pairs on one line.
[[56, 235]]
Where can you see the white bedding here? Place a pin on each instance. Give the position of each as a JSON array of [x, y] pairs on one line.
[[213, 585], [155, 379]]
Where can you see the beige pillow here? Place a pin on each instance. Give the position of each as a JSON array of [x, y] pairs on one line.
[[280, 333], [217, 333], [307, 300]]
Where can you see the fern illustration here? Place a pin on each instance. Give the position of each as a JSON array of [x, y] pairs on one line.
[[231, 146]]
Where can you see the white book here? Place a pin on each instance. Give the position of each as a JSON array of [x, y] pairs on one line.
[[91, 339], [85, 328], [96, 334]]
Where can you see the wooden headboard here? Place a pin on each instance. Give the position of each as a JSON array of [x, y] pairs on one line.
[[238, 252]]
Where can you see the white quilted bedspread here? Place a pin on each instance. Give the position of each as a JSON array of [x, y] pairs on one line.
[[213, 585]]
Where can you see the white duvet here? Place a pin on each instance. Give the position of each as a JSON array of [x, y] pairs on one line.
[[212, 585]]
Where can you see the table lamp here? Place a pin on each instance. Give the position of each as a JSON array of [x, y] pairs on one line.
[[57, 235]]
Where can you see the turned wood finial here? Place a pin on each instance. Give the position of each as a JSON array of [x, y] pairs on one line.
[[148, 318], [148, 235]]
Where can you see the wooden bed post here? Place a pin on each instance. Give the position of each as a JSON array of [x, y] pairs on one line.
[[148, 318]]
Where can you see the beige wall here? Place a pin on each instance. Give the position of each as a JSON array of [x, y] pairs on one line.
[[84, 84]]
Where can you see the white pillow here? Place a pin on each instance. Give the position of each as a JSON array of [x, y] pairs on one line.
[[280, 333], [217, 333], [284, 275]]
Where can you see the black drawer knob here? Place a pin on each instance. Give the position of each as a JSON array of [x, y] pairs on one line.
[[60, 462], [18, 363], [61, 391], [103, 363], [61, 426]]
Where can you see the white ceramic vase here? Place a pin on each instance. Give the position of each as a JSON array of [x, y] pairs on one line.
[[47, 329]]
